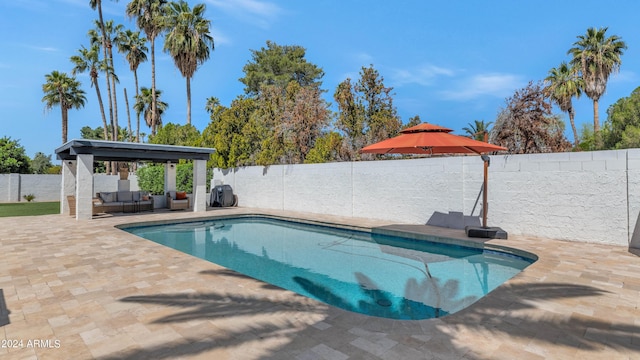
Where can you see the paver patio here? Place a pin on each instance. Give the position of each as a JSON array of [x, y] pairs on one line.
[[85, 289]]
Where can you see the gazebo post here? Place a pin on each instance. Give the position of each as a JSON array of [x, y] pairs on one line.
[[169, 177], [199, 185], [68, 184], [84, 187]]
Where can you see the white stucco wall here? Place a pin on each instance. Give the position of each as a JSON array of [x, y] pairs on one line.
[[584, 196]]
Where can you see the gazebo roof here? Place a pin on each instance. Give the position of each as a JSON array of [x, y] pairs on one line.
[[128, 152]]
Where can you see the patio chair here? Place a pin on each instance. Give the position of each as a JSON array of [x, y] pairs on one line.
[[177, 200]]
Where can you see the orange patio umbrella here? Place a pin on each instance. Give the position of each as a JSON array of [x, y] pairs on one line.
[[432, 139]]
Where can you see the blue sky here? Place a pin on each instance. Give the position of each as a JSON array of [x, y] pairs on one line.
[[450, 62]]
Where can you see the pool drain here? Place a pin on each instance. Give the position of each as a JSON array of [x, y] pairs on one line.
[[383, 302]]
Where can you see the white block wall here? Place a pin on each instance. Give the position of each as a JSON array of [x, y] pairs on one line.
[[47, 187], [584, 196]]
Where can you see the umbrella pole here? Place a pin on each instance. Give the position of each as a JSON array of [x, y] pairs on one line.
[[484, 193], [485, 185]]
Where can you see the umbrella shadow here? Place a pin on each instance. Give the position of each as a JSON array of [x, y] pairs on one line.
[[505, 312]]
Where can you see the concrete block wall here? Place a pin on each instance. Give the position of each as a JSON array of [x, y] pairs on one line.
[[47, 187], [585, 196]]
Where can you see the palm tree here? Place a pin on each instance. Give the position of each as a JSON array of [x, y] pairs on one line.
[[477, 129], [103, 41], [88, 60], [60, 89], [111, 31], [187, 40], [135, 49], [563, 84], [143, 105], [149, 14], [597, 56]]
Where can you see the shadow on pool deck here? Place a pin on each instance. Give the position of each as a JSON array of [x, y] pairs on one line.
[[502, 316]]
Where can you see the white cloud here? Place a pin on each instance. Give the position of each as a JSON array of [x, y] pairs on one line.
[[423, 75], [623, 77], [219, 38], [42, 48], [260, 13], [494, 85]]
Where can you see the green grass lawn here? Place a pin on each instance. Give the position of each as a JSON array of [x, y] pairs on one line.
[[29, 208]]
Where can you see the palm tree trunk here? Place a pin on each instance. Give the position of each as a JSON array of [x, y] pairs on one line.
[[104, 50], [63, 109], [153, 87], [104, 118], [188, 100], [135, 77], [572, 115], [115, 125], [596, 125], [126, 100]]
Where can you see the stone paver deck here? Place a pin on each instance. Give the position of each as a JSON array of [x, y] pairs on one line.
[[82, 290]]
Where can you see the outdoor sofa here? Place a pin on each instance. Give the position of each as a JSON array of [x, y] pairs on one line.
[[122, 201]]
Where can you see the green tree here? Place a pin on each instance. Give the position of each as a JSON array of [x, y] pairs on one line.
[[413, 121], [366, 113], [64, 91], [188, 40], [477, 129], [562, 85], [135, 49], [234, 133], [278, 65], [623, 120], [174, 134], [13, 159], [41, 163], [327, 148], [597, 57], [144, 105], [293, 117], [149, 15], [527, 126], [88, 60]]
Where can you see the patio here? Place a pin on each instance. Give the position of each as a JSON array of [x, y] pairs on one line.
[[98, 292]]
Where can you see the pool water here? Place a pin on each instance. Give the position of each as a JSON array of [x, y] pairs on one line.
[[372, 274]]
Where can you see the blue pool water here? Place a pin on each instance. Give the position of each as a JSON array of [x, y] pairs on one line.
[[372, 274]]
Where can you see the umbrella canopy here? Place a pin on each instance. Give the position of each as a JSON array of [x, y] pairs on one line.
[[430, 139]]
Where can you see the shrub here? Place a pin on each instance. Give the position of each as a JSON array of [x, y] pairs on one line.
[[29, 197], [151, 178]]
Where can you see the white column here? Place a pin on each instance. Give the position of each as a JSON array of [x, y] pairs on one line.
[[68, 185], [199, 197], [84, 187], [169, 177]]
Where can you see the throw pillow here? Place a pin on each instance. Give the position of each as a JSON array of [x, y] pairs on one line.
[[145, 197], [181, 195]]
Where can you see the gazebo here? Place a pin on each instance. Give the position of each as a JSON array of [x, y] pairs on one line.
[[78, 156]]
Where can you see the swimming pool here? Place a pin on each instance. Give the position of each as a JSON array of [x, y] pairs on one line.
[[368, 273]]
